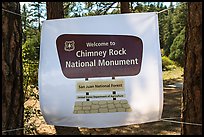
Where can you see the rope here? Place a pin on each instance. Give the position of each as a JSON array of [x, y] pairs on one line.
[[178, 122], [14, 13], [17, 14], [16, 129], [163, 119], [12, 130]]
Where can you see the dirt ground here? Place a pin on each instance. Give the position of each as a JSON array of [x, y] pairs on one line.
[[171, 109]]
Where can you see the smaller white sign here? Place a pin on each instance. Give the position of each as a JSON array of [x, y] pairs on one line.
[[101, 85]]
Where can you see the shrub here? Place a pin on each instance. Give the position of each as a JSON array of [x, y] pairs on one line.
[[167, 64], [177, 48]]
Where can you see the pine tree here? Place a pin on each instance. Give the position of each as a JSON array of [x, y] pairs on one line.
[[12, 78], [192, 89], [179, 19], [37, 9]]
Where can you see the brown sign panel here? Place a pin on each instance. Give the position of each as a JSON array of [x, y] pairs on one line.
[[88, 56]]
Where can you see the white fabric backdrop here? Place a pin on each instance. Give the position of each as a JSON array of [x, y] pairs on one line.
[[144, 91]]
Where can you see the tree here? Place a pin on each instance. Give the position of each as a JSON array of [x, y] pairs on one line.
[[70, 9], [178, 33], [30, 50], [30, 58], [137, 7], [36, 12], [12, 87], [168, 37], [79, 9], [125, 7], [55, 11], [25, 21], [179, 19], [177, 48], [192, 90], [162, 19]]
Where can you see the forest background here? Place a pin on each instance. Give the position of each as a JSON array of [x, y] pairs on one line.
[[172, 29]]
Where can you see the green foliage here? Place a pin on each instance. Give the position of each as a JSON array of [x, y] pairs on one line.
[[167, 64], [146, 6], [179, 23], [170, 25], [168, 37], [29, 113], [179, 19], [37, 9], [31, 50], [162, 22], [30, 56], [177, 48], [26, 22], [175, 74], [79, 9]]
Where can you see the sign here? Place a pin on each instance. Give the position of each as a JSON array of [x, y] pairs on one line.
[[101, 71], [101, 85], [106, 55]]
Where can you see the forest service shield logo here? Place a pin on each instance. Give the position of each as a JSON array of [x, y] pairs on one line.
[[69, 45]]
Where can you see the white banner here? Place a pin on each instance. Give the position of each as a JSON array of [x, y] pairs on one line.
[[101, 71]]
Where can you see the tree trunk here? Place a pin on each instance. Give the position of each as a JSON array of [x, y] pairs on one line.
[[192, 91], [55, 11], [12, 80], [124, 7]]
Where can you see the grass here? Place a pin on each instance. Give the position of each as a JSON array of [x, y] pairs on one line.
[[173, 76]]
